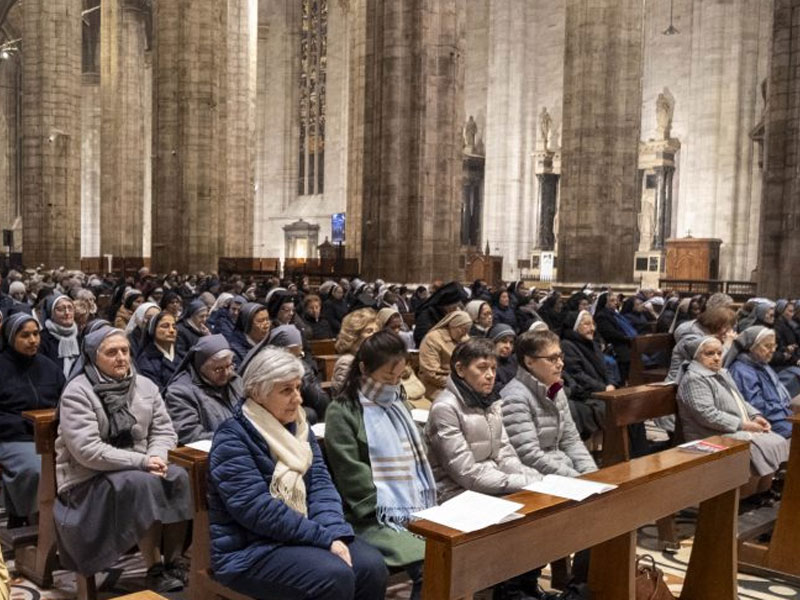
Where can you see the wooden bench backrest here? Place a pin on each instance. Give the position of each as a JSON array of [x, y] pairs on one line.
[[654, 344], [325, 364], [320, 347], [628, 406]]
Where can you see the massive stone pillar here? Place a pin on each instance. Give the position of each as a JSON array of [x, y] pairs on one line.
[[123, 131], [51, 124], [202, 167], [602, 120], [778, 268], [414, 113]]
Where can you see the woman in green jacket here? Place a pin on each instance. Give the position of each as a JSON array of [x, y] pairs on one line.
[[369, 424]]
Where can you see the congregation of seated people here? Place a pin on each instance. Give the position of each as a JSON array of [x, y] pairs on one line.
[[507, 376]]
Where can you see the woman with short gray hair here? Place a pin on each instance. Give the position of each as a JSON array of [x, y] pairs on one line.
[[205, 390], [277, 525]]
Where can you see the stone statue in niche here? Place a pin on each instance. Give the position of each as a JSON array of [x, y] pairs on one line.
[[646, 224], [470, 131], [664, 112], [545, 128]]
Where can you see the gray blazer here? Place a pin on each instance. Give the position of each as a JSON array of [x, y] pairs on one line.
[[468, 449], [542, 430], [707, 403], [81, 447]]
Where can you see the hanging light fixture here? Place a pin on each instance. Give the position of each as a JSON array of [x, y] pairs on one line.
[[671, 30]]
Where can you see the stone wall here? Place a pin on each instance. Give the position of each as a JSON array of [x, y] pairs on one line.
[[90, 165], [9, 90]]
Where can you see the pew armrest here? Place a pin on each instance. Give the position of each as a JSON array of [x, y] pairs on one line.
[[45, 428]]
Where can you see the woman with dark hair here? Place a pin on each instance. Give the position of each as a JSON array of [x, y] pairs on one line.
[[577, 302], [615, 330], [157, 360], [191, 327], [419, 296], [130, 302], [376, 455], [502, 310], [277, 524], [786, 358], [30, 381], [172, 302], [633, 311], [136, 330], [334, 305], [503, 338], [552, 311], [252, 326]]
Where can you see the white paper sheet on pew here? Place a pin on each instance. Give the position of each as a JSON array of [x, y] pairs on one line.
[[420, 415], [568, 487], [202, 445], [471, 511], [319, 430]]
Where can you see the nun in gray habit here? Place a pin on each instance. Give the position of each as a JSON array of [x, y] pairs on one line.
[[115, 488], [709, 403]]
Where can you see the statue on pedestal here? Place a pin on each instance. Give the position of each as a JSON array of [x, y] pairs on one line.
[[646, 225], [545, 126], [664, 112], [470, 131]]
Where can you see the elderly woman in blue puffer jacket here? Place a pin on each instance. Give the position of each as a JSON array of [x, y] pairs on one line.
[[277, 525]]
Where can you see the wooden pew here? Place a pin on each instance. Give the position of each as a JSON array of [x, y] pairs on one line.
[[409, 318], [458, 564], [780, 557], [202, 585], [320, 347], [659, 344], [38, 561], [325, 364]]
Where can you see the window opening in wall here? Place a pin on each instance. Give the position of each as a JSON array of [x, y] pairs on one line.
[[313, 68]]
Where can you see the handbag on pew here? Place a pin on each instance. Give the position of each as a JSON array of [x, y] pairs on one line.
[[650, 584]]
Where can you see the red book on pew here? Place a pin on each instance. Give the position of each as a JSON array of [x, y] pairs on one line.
[[701, 447]]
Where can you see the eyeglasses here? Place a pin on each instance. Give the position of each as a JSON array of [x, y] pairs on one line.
[[222, 370], [553, 358], [64, 308]]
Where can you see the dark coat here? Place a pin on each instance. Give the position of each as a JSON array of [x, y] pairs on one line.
[[6, 304], [785, 336], [187, 337], [152, 364], [609, 330], [320, 329], [506, 371], [220, 321], [48, 346], [28, 384], [246, 522], [334, 311], [196, 408], [584, 362], [240, 346], [507, 316], [425, 321]]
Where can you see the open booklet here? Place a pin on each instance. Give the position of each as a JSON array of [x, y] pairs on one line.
[[568, 487], [202, 445], [471, 511]]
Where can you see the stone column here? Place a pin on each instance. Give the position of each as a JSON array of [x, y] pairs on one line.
[[200, 78], [779, 239], [547, 176], [414, 113], [123, 74], [51, 124], [602, 121]]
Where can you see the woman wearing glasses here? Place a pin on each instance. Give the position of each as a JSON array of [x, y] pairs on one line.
[[536, 415], [204, 391]]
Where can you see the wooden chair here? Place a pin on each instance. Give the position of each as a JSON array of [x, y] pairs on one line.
[[656, 345], [202, 585], [320, 347], [780, 556]]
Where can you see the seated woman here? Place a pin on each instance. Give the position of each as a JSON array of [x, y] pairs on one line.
[[634, 312], [219, 317], [437, 348], [718, 322], [748, 363], [552, 311], [376, 455], [786, 358], [252, 326], [585, 369], [334, 306], [319, 327], [191, 327], [615, 330], [115, 487], [130, 302], [356, 327], [172, 302], [468, 447], [205, 390], [59, 338], [709, 403], [503, 338], [390, 320], [30, 381], [482, 319], [277, 527], [502, 310], [136, 330], [157, 360]]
